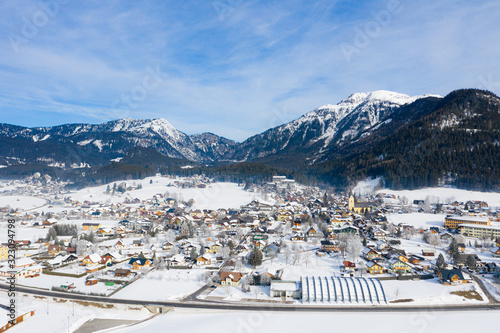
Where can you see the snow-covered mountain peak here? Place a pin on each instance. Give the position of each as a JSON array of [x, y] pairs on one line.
[[121, 124], [142, 126], [326, 107], [160, 125], [160, 122], [379, 95], [327, 125]]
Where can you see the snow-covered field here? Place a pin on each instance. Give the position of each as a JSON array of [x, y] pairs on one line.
[[48, 281], [187, 321], [164, 285], [22, 202], [236, 294], [429, 292], [312, 265], [418, 220], [22, 233], [71, 269], [57, 315], [447, 195], [27, 232], [441, 194], [214, 196]]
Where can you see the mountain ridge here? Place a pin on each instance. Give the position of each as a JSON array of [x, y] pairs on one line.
[[335, 143]]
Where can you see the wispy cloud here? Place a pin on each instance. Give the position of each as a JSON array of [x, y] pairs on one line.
[[233, 74]]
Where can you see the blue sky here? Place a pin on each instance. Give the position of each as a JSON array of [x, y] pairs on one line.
[[233, 67]]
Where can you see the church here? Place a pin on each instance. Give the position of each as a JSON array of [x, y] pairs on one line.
[[358, 207]]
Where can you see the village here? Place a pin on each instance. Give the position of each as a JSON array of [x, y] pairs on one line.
[[172, 238]]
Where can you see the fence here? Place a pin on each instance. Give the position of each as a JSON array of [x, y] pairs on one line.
[[406, 277]]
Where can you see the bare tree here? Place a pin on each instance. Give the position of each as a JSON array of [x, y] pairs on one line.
[[408, 233], [170, 235], [173, 251], [207, 277], [224, 252], [287, 254], [404, 204], [427, 205], [361, 267], [184, 230], [354, 247], [147, 239], [434, 240], [245, 283], [265, 279], [307, 260], [297, 252], [81, 247], [256, 291], [391, 228], [158, 264], [343, 241], [460, 239], [323, 227], [240, 232], [485, 243]]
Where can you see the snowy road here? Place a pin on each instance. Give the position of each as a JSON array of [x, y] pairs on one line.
[[255, 307]]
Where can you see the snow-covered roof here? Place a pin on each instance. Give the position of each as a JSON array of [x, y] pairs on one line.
[[57, 260], [489, 227], [208, 256], [94, 257], [367, 250], [24, 262], [178, 258], [371, 264], [468, 218], [284, 286]]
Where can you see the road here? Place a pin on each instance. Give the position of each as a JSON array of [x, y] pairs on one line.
[[483, 287], [47, 202], [254, 307], [194, 296]]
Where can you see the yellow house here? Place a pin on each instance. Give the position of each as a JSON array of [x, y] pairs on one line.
[[4, 252], [205, 259], [374, 268], [337, 221], [312, 232], [94, 226], [453, 221], [399, 266], [479, 231], [283, 216], [54, 249], [214, 248], [105, 232], [451, 276], [201, 260], [139, 263], [91, 260], [197, 213], [403, 258], [230, 279]]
